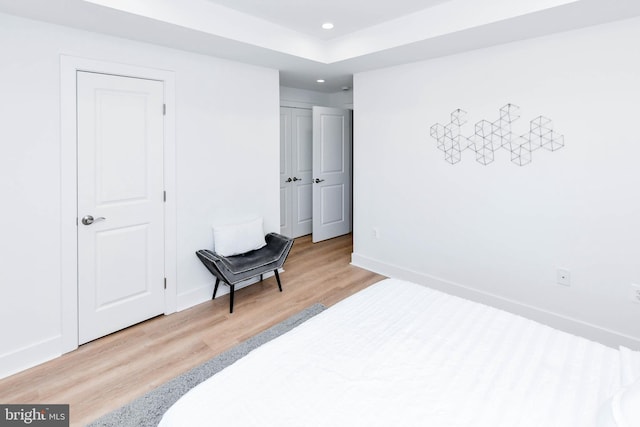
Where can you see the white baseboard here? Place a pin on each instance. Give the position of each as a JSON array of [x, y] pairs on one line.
[[203, 293], [564, 323], [30, 356]]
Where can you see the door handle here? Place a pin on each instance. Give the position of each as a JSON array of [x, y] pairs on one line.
[[289, 179], [297, 179], [88, 219], [318, 180]]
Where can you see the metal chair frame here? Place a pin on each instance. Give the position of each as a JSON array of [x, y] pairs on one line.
[[239, 268]]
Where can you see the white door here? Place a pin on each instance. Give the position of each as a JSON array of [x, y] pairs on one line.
[[295, 171], [286, 177], [331, 173], [120, 202], [302, 167]]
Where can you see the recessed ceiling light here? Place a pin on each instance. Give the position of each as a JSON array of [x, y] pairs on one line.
[[320, 80], [327, 26]]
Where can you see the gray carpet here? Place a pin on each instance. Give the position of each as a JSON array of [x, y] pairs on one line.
[[148, 409]]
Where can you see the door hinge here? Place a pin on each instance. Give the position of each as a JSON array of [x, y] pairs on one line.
[[165, 283], [164, 109], [164, 196]]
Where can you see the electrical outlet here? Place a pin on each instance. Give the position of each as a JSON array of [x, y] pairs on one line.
[[563, 277], [634, 293], [375, 232]]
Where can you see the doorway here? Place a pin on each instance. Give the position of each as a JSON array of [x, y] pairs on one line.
[[315, 172]]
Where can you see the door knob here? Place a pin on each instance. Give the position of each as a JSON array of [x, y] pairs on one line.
[[318, 180], [88, 219], [297, 179], [289, 179]]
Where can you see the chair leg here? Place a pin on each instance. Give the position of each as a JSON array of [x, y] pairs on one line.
[[231, 299], [278, 279], [261, 278], [215, 289]]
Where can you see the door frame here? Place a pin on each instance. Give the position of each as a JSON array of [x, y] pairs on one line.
[[69, 66]]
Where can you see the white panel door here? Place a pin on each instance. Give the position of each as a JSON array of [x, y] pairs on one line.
[[295, 171], [286, 175], [331, 173], [120, 185], [302, 166]]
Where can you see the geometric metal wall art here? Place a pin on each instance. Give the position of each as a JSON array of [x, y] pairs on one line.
[[490, 137]]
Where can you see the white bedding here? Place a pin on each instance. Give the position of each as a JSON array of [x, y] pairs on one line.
[[400, 354]]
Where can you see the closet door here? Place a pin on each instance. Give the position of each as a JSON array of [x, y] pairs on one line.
[[286, 177], [331, 173], [296, 190], [302, 167]]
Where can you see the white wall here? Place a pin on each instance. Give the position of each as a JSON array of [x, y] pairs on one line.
[[301, 98], [227, 140], [342, 99], [498, 233]]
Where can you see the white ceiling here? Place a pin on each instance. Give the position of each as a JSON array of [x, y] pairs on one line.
[[286, 34], [307, 16]]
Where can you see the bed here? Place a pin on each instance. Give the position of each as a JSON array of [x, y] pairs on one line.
[[401, 354]]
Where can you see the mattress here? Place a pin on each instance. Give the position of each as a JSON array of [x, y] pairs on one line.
[[401, 354]]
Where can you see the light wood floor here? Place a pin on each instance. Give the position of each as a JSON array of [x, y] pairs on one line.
[[107, 373]]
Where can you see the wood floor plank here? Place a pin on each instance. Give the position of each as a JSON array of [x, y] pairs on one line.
[[107, 373]]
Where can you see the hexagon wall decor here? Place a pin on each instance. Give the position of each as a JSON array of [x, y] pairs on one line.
[[489, 137]]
